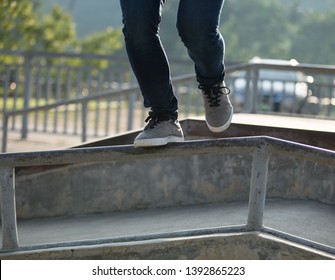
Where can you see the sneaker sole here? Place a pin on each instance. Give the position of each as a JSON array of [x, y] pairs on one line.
[[154, 142], [221, 128]]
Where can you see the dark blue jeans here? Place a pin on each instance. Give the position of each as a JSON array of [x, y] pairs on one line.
[[197, 25]]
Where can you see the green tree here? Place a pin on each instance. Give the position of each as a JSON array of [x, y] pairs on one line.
[[255, 28], [18, 23], [282, 29], [105, 42], [315, 40], [24, 28], [56, 32]]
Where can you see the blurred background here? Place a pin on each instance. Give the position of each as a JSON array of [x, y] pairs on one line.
[[283, 29], [64, 69]]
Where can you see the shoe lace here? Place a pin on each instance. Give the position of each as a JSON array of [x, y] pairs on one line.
[[213, 93], [153, 120]]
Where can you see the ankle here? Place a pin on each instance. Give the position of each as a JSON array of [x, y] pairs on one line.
[[163, 116]]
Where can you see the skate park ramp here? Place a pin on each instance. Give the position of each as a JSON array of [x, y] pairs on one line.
[[239, 196]]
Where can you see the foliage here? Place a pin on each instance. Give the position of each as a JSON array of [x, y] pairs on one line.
[[102, 42], [281, 29], [272, 30], [18, 22], [315, 41], [56, 32], [267, 28], [24, 27], [106, 42], [261, 31]]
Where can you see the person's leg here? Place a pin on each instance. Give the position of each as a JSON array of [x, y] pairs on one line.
[[198, 27], [141, 19]]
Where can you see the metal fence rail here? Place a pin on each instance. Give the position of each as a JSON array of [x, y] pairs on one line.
[[96, 95], [131, 112], [37, 79], [261, 147]]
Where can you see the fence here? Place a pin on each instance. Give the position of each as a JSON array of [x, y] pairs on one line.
[[94, 95]]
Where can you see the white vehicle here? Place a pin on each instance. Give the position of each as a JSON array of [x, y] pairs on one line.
[[277, 90]]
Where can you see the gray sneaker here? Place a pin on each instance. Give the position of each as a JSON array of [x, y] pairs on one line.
[[218, 109], [159, 131]]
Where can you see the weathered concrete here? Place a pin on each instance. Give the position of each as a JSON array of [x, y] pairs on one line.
[[237, 246], [165, 182], [170, 183], [297, 217], [97, 236]]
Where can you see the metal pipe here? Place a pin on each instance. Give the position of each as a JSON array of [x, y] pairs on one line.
[[84, 121], [26, 94], [4, 133], [258, 188], [254, 88], [131, 108], [8, 208]]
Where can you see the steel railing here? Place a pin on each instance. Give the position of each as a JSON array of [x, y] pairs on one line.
[[51, 93], [261, 147], [128, 93]]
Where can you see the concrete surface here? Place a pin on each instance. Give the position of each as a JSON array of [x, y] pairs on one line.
[[282, 121], [165, 182], [304, 218], [310, 220], [225, 246]]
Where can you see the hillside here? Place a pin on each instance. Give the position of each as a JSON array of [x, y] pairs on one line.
[[94, 16]]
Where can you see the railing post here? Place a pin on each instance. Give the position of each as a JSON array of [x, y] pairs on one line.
[[8, 208], [4, 133], [26, 93], [84, 112], [258, 188], [248, 105], [254, 89], [131, 108]]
